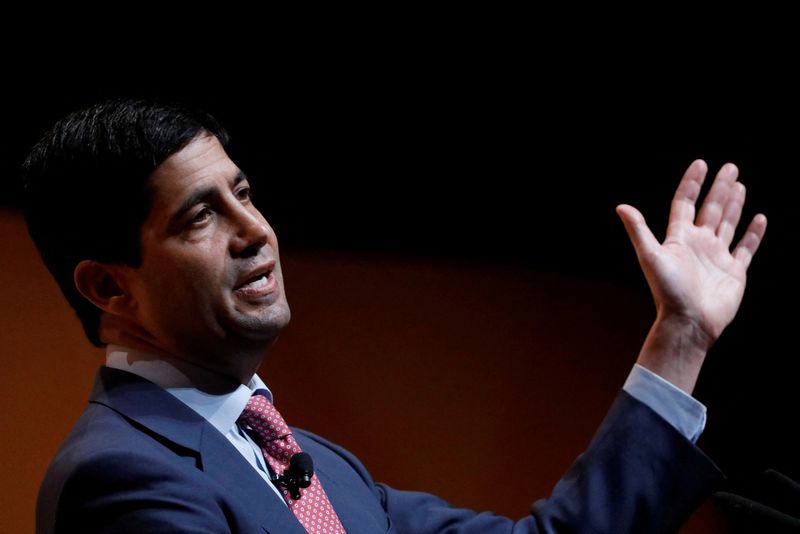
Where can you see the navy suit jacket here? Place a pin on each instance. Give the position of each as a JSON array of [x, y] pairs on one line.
[[140, 461]]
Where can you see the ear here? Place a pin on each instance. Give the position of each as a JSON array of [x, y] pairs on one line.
[[102, 285]]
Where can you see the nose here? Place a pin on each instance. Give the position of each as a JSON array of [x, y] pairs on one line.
[[251, 232]]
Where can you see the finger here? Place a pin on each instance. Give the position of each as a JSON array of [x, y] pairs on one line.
[[731, 214], [748, 244], [644, 242], [714, 203], [683, 202]]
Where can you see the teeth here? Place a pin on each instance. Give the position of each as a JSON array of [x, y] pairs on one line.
[[258, 282]]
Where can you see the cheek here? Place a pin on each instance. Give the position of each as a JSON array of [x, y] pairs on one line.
[[181, 280]]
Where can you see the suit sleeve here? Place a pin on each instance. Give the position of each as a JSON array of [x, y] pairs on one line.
[[638, 475]]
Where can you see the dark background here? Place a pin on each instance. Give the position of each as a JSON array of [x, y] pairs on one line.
[[491, 154]]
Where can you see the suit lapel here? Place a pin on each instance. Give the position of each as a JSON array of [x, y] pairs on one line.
[[223, 463], [156, 410]]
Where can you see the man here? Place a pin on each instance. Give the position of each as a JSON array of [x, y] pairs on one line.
[[150, 231]]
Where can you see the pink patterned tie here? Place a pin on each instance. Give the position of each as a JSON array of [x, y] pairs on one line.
[[313, 509]]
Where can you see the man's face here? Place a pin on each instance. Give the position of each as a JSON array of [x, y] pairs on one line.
[[210, 281]]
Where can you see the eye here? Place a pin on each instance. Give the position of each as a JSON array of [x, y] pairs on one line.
[[244, 194], [201, 216]]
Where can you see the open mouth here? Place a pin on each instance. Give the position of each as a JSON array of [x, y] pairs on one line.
[[257, 281]]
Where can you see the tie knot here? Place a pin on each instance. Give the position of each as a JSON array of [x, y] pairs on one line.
[[262, 417]]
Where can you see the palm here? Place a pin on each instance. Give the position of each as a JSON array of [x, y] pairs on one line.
[[693, 274]]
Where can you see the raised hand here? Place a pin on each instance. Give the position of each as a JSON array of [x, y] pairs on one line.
[[696, 280]]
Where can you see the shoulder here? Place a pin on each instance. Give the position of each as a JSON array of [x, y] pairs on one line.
[[102, 432], [103, 438], [107, 470]]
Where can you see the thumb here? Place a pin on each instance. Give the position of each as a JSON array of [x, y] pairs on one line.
[[643, 240]]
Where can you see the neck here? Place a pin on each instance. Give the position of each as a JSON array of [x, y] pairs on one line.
[[229, 361]]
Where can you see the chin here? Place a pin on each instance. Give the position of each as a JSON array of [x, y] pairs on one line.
[[263, 329]]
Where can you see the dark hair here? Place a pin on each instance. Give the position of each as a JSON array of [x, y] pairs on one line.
[[85, 190]]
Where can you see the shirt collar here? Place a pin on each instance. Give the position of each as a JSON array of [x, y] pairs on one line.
[[178, 378]]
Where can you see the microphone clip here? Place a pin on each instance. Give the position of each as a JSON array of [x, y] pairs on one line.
[[297, 475]]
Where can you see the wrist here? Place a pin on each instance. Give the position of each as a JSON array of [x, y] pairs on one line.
[[684, 330], [675, 349]]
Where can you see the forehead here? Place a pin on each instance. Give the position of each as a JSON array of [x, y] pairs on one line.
[[199, 164]]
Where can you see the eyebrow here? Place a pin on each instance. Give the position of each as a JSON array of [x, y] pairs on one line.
[[203, 195]]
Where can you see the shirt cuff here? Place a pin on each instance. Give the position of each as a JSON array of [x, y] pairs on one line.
[[679, 409]]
